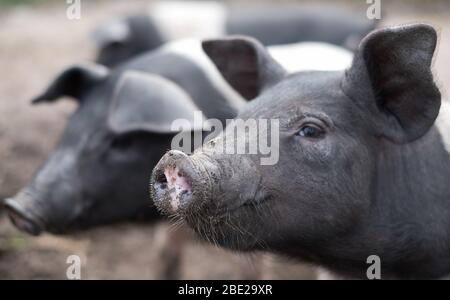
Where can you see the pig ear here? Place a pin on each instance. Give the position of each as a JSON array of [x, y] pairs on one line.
[[148, 102], [73, 82], [245, 64], [392, 68]]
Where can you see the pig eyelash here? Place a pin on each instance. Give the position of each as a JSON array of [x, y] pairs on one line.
[[320, 121]]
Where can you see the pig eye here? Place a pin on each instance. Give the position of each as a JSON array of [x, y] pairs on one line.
[[311, 131]]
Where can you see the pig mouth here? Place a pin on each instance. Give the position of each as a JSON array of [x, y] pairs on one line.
[[250, 205], [227, 230], [232, 227]]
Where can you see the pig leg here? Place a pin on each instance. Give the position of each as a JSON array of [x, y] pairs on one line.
[[262, 267], [170, 243]]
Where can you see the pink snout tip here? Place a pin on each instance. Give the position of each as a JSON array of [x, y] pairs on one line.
[[178, 187]]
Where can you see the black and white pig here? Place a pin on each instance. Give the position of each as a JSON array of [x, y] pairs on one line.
[[99, 172], [123, 38], [363, 164], [100, 169]]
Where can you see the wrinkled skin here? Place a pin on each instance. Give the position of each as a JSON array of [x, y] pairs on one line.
[[360, 170], [99, 171]]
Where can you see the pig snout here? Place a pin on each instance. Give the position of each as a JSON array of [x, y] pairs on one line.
[[178, 187], [22, 215], [178, 184], [33, 212], [208, 189]]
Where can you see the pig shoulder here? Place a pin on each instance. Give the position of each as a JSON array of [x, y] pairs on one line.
[[191, 50], [185, 63]]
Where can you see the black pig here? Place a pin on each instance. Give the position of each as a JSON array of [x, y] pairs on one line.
[[363, 161], [99, 172], [100, 169]]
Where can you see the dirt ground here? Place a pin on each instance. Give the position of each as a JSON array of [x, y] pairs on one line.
[[37, 42]]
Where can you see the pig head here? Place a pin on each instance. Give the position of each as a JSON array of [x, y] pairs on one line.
[[123, 38], [362, 169], [99, 171]]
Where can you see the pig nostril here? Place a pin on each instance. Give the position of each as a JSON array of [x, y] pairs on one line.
[[161, 180]]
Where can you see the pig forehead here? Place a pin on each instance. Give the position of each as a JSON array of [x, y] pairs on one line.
[[302, 92]]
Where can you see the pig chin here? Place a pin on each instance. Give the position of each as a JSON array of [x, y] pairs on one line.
[[233, 229], [235, 225]]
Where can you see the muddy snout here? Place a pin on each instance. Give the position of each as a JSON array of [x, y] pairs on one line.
[[22, 216], [179, 183]]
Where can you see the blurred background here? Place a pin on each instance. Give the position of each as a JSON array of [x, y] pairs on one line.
[[36, 41]]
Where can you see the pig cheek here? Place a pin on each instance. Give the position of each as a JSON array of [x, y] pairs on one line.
[[299, 156], [319, 151]]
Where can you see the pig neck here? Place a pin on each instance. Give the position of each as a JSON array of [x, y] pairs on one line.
[[412, 186], [408, 222], [412, 183]]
